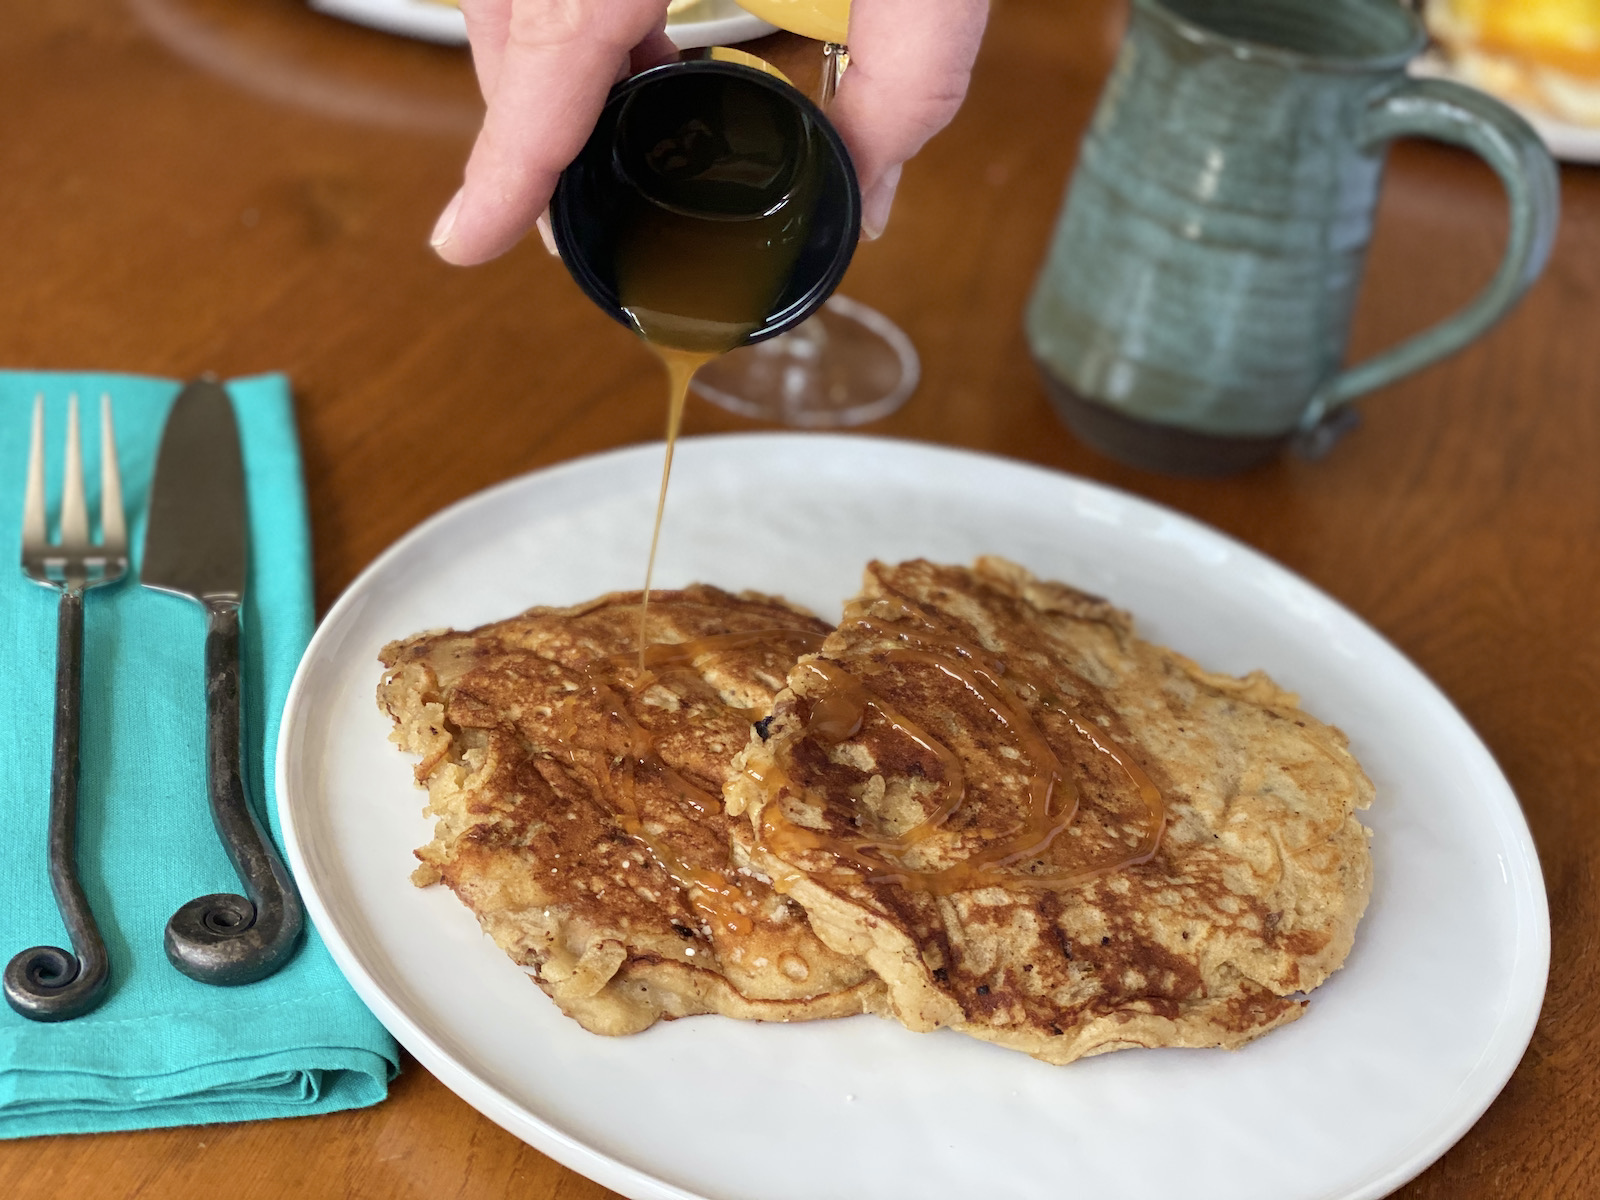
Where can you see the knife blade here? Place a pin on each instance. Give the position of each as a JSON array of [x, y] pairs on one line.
[[197, 541], [197, 546]]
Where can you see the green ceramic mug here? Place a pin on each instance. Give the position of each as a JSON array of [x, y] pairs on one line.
[[1193, 311]]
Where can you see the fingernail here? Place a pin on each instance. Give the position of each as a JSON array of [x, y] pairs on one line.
[[446, 223], [876, 204], [546, 234]]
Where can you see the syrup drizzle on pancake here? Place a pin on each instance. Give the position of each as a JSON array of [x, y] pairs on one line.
[[615, 681], [838, 711], [681, 366]]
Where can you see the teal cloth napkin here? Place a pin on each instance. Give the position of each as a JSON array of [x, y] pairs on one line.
[[162, 1049]]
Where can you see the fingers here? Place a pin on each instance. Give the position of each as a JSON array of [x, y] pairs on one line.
[[910, 61], [545, 66], [546, 72], [488, 23], [652, 52]]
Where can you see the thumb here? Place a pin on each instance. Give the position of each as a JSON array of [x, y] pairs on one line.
[[876, 203]]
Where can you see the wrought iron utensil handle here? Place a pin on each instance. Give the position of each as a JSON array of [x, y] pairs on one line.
[[222, 938], [46, 983]]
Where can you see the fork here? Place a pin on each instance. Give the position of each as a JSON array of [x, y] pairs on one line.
[[46, 983]]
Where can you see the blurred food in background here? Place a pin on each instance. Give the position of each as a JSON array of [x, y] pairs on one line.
[[1543, 55]]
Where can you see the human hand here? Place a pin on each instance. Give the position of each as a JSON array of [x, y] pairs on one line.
[[546, 66], [909, 65]]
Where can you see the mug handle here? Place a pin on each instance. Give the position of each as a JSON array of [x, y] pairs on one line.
[[1462, 116]]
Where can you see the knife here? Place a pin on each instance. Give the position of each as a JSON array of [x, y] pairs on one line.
[[197, 546]]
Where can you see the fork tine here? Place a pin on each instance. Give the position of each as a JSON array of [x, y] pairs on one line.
[[74, 511], [33, 522], [113, 529]]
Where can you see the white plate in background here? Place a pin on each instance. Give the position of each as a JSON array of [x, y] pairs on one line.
[[702, 23], [1568, 142], [1398, 1055]]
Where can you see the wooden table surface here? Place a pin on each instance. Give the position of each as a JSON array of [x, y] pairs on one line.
[[191, 185]]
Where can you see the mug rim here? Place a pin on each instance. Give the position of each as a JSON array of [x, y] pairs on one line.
[[1248, 50]]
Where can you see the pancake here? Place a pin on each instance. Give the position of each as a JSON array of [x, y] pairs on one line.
[[578, 804], [1045, 832]]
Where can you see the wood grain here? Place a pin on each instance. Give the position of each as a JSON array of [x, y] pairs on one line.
[[203, 185]]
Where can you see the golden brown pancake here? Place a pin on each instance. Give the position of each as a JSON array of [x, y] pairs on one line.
[[578, 804], [1045, 832]]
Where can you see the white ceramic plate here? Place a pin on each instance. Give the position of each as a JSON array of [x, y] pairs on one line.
[[703, 23], [1568, 142], [1398, 1055]]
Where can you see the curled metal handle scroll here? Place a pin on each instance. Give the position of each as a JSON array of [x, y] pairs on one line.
[[226, 939], [47, 983]]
